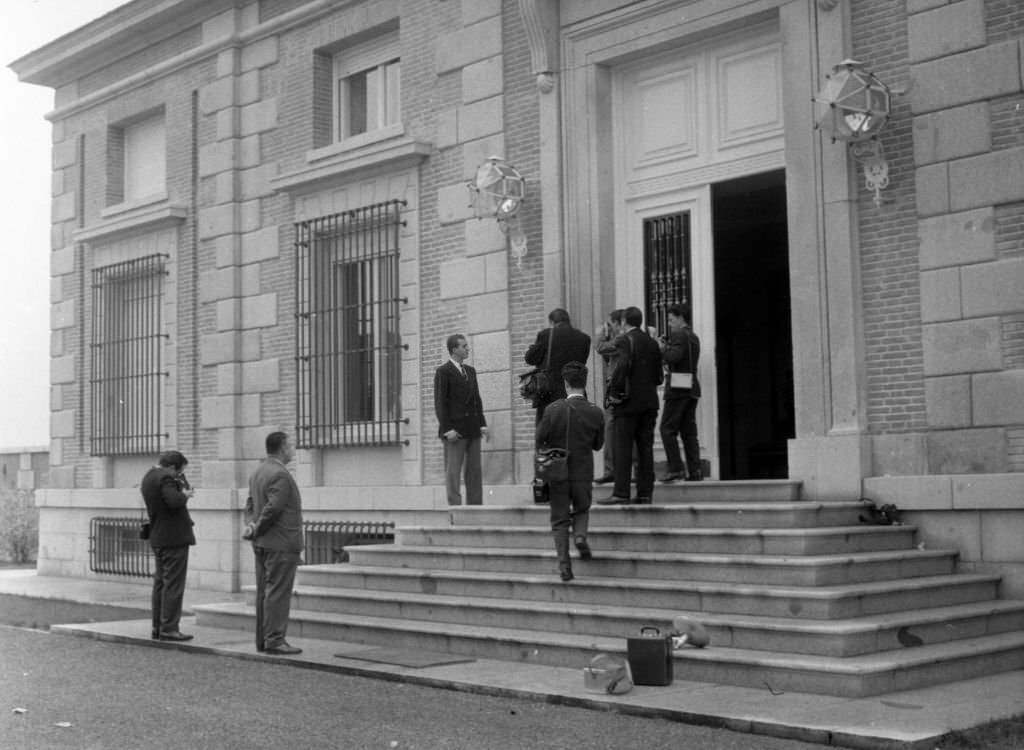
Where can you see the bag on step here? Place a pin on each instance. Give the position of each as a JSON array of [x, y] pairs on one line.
[[607, 674], [650, 657]]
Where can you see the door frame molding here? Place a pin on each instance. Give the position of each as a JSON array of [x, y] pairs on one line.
[[831, 451]]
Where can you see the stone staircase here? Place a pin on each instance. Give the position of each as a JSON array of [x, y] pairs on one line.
[[797, 596]]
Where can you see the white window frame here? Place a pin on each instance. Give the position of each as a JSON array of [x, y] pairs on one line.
[[145, 159], [379, 60]]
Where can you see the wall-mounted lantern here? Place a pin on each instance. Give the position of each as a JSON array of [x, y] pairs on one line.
[[498, 191], [854, 106]]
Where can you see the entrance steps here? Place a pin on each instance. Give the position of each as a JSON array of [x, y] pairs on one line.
[[796, 596]]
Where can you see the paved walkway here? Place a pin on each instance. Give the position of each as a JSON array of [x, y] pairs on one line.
[[909, 719]]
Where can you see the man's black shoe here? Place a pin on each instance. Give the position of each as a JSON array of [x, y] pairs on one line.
[[606, 479], [583, 548], [613, 500], [283, 650], [672, 476], [642, 501], [155, 635], [696, 477], [175, 636]]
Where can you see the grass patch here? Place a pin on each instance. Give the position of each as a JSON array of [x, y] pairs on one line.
[[1004, 734], [40, 614]]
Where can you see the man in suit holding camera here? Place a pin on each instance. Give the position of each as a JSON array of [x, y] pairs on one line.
[[166, 493], [634, 391], [460, 422]]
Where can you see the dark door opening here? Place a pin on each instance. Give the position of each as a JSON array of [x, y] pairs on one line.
[[754, 346]]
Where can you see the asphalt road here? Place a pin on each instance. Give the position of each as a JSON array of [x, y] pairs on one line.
[[83, 694]]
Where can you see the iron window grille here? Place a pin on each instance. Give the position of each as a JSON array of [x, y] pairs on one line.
[[348, 346], [127, 380], [667, 266]]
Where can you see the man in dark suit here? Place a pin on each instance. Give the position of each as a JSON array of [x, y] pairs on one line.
[[166, 493], [681, 351], [634, 385], [275, 529], [460, 422], [567, 345], [577, 425]]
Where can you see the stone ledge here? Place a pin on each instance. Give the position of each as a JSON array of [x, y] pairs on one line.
[[336, 166], [144, 218]]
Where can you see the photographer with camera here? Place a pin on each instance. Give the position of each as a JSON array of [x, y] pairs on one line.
[[166, 493]]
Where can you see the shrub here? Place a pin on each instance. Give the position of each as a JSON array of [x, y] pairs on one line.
[[19, 525]]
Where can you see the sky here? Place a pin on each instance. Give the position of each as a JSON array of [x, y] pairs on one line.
[[25, 136]]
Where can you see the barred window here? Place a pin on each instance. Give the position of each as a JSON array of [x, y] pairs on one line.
[[127, 374], [348, 347]]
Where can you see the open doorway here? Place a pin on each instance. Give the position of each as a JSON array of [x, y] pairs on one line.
[[754, 346]]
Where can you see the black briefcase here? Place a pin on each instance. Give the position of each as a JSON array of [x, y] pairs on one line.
[[650, 657]]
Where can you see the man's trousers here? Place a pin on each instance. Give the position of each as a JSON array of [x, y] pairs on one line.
[[275, 578], [463, 455], [168, 587], [679, 418], [635, 430]]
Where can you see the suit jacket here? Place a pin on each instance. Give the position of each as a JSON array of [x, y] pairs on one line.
[[586, 433], [638, 359], [682, 351], [277, 507], [167, 508], [457, 401], [569, 345]]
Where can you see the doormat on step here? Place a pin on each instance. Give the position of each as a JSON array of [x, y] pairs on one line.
[[405, 657]]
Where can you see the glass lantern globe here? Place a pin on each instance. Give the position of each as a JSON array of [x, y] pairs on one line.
[[853, 104], [498, 188]]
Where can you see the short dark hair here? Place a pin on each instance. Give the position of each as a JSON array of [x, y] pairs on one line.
[[633, 316], [616, 315], [575, 374], [558, 315], [678, 310], [173, 460], [453, 341], [276, 441]]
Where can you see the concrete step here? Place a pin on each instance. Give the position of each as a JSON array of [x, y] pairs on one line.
[[833, 540], [707, 515], [856, 676], [849, 637], [818, 570], [806, 603], [737, 491]]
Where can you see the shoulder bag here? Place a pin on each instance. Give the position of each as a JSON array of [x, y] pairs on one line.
[[552, 464], [683, 379], [535, 385]]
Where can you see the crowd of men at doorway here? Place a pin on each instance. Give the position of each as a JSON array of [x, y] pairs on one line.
[[635, 365]]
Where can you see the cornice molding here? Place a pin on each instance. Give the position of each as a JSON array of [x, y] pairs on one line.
[[146, 218], [338, 167]]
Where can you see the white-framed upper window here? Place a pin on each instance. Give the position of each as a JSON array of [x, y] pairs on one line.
[[145, 158], [367, 89]]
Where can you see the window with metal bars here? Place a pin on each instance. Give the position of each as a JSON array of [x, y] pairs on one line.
[[348, 347], [127, 377], [667, 268]]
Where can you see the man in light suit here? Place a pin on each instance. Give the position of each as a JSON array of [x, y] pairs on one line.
[[577, 425], [275, 529], [634, 385], [460, 422]]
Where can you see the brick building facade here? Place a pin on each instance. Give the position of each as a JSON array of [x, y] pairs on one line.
[[867, 350]]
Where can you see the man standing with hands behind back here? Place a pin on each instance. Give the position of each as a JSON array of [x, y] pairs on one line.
[[276, 533], [460, 422]]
